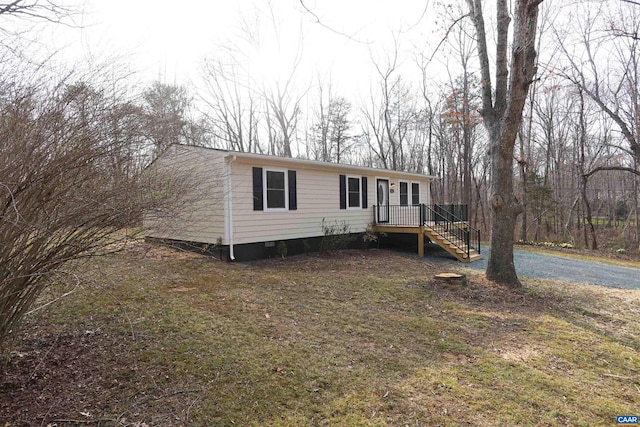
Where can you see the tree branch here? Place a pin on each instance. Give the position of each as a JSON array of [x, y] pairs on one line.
[[475, 10], [38, 9], [446, 36], [611, 168], [333, 30]]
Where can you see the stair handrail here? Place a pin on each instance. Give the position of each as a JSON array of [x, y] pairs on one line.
[[449, 213], [453, 221]]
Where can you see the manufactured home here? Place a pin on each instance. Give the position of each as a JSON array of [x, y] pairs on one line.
[[250, 206]]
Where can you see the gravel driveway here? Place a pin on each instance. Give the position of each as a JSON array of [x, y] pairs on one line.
[[534, 265]]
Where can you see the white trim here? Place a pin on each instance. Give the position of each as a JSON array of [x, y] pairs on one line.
[[228, 229], [385, 213], [386, 178], [265, 204], [409, 192], [226, 196], [359, 179]]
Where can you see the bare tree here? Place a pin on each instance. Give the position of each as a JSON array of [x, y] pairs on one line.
[[373, 132], [22, 11], [255, 86], [525, 156], [613, 89], [461, 118], [398, 114], [18, 19], [165, 113], [502, 106], [283, 109], [391, 116], [282, 92], [462, 114], [330, 137], [231, 104]]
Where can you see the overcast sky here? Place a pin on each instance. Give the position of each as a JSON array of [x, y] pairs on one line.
[[169, 40]]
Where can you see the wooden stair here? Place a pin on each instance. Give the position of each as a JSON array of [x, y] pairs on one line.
[[452, 244]]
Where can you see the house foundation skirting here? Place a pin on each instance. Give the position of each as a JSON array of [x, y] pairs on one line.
[[258, 250]]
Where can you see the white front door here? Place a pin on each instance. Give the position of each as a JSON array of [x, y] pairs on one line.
[[382, 198]]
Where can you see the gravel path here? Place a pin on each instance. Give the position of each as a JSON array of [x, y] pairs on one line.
[[539, 266]]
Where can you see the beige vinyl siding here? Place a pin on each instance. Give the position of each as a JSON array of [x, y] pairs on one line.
[[318, 198], [200, 216], [222, 207]]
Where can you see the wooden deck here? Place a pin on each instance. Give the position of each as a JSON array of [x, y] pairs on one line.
[[445, 240], [441, 224]]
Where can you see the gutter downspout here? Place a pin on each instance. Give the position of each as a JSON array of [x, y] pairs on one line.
[[229, 160]]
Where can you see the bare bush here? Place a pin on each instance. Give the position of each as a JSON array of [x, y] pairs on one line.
[[70, 186]]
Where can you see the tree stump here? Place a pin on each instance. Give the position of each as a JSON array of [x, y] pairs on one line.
[[450, 277]]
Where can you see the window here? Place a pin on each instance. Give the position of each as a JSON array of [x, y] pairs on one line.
[[404, 193], [275, 189], [352, 191], [409, 193], [415, 193], [353, 196]]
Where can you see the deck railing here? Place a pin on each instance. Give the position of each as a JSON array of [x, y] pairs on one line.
[[450, 212], [454, 229], [448, 220], [399, 215]]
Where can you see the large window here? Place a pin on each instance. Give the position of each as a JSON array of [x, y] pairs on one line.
[[276, 189], [353, 195]]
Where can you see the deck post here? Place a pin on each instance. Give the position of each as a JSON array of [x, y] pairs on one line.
[[421, 242]]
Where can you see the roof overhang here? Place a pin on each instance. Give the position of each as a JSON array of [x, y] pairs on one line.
[[262, 158]]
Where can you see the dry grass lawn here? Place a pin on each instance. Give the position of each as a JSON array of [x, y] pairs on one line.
[[153, 337]]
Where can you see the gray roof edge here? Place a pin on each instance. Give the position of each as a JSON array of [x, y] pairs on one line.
[[318, 163]]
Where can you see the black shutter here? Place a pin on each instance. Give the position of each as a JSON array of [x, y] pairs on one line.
[[343, 192], [257, 189], [293, 196], [364, 192]]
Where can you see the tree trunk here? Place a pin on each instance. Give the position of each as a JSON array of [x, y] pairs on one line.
[[523, 177], [502, 114], [466, 139], [503, 212], [635, 202], [590, 239]]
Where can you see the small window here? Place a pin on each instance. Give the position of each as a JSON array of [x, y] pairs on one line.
[[404, 193], [353, 193], [276, 193], [415, 193]]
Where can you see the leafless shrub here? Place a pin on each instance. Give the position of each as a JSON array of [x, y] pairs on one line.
[[71, 185]]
